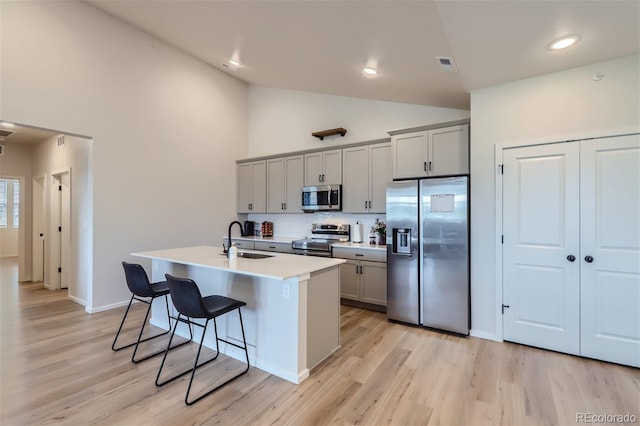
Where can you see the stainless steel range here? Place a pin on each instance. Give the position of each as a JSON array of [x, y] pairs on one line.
[[322, 236]]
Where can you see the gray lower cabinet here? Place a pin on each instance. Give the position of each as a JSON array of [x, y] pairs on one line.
[[363, 281], [271, 246]]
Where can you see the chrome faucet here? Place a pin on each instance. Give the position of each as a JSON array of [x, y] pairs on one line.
[[226, 250]]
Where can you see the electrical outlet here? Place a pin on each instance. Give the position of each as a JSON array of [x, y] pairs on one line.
[[285, 291]]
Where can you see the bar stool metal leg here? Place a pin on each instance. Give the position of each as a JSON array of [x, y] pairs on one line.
[[144, 323], [196, 365]]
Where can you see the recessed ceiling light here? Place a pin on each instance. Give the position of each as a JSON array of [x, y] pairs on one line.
[[232, 64], [564, 42], [370, 71]]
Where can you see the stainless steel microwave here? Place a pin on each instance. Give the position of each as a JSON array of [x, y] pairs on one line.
[[322, 198]]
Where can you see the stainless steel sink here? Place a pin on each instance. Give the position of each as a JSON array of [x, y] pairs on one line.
[[253, 255]]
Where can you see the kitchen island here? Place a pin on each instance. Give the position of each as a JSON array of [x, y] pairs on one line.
[[292, 317]]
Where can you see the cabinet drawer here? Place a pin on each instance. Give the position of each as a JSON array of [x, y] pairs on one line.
[[271, 246], [243, 244], [360, 254]]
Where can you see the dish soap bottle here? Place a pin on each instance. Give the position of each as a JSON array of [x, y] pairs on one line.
[[233, 251]]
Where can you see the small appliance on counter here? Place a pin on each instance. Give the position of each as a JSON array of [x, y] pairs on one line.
[[322, 237], [266, 229], [249, 228]]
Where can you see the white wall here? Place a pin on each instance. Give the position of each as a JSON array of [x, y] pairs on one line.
[[555, 107], [16, 162], [166, 129], [282, 120]]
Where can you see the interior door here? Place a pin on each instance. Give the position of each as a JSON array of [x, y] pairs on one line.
[[541, 284], [610, 249], [38, 229]]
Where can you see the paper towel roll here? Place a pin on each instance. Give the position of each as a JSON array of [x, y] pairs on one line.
[[356, 235]]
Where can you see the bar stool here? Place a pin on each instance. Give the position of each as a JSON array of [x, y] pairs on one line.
[[140, 287], [190, 304]]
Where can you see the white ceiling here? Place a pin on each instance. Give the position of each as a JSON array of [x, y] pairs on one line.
[[25, 134], [321, 45]]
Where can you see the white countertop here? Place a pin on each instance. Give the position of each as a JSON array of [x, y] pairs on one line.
[[280, 266]]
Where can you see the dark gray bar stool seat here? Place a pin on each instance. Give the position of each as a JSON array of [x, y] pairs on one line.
[[187, 299]]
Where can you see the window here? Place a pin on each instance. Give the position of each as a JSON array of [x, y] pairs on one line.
[[16, 203], [3, 203], [9, 203]]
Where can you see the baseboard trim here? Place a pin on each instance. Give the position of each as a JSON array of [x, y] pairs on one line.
[[484, 335], [78, 301], [103, 308]]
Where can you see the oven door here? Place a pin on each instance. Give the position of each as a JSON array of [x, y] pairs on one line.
[[305, 252]]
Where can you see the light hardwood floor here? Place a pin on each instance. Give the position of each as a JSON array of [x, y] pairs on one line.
[[57, 367]]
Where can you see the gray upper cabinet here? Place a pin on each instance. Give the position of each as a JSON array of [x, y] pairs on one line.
[[284, 184], [365, 173], [252, 187], [323, 168], [435, 152]]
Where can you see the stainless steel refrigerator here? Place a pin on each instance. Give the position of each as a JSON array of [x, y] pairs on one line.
[[428, 253]]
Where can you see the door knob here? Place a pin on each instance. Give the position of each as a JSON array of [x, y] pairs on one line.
[[571, 258], [588, 259]]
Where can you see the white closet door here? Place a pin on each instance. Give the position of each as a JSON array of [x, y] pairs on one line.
[[610, 236], [541, 284]]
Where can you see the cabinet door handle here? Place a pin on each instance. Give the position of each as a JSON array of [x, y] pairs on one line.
[[285, 205], [429, 165], [588, 259], [323, 177], [359, 254], [370, 204], [425, 166], [357, 270]]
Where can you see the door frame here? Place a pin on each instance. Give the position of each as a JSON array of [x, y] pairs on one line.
[[498, 161]]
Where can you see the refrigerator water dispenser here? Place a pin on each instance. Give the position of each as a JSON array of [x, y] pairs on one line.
[[402, 240]]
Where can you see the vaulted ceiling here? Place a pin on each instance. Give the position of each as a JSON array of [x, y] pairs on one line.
[[321, 46]]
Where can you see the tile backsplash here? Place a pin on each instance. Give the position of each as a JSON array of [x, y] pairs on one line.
[[299, 225]]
